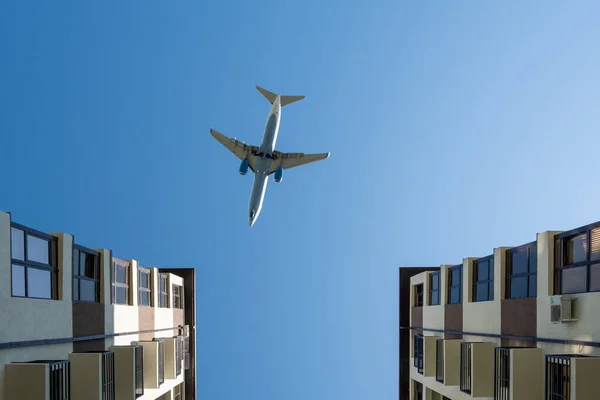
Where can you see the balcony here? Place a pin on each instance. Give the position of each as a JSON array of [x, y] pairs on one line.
[[154, 363], [41, 379], [93, 375], [571, 377], [173, 354], [518, 373], [129, 371], [477, 369]]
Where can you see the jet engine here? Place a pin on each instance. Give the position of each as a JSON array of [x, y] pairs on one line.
[[279, 174], [244, 167]]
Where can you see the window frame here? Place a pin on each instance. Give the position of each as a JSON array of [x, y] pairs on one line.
[[489, 281], [27, 264], [531, 270], [177, 297], [560, 255], [437, 291], [114, 284], [75, 275], [458, 286], [142, 270], [163, 296]]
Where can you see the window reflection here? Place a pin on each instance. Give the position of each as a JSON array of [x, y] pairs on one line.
[[18, 280], [39, 283], [18, 244], [38, 250]]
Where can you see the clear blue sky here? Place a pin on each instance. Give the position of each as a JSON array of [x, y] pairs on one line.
[[454, 127]]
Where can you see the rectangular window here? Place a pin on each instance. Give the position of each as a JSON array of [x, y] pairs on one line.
[[34, 267], [418, 353], [558, 377], [502, 374], [120, 282], [521, 272], [439, 354], [86, 274], [483, 279], [434, 288], [455, 284], [144, 287], [163, 293], [139, 371], [108, 376], [465, 367], [418, 386], [577, 261], [177, 303]]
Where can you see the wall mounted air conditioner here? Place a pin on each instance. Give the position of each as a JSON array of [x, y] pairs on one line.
[[561, 309]]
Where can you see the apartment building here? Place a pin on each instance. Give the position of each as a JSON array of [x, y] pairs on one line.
[[79, 323], [519, 323]]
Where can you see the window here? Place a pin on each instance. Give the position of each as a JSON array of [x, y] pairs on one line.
[[418, 301], [455, 284], [483, 279], [177, 392], [465, 367], [439, 367], [139, 371], [502, 374], [177, 303], [434, 288], [86, 274], [108, 376], [418, 353], [145, 286], [418, 390], [521, 272], [163, 293], [161, 362], [577, 261], [120, 282], [558, 374], [34, 271]]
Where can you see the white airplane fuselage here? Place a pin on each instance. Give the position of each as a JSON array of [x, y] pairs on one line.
[[263, 161]]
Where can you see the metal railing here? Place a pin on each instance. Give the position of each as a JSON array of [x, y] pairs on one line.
[[465, 367], [439, 360]]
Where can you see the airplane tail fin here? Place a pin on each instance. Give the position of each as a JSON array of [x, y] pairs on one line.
[[285, 100]]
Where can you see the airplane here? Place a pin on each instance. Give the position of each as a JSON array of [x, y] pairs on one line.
[[265, 160]]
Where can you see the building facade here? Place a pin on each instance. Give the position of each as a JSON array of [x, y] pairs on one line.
[[80, 323], [520, 323]]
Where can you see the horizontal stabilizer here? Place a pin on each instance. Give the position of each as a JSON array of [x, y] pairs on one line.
[[285, 100]]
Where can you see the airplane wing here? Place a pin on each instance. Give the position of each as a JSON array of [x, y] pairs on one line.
[[291, 160], [240, 149]]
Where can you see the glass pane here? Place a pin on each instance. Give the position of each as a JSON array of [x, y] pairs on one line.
[[456, 277], [491, 274], [144, 298], [18, 280], [518, 287], [595, 277], [89, 268], [435, 298], [37, 249], [491, 290], [482, 292], [532, 285], [519, 262], [143, 280], [121, 274], [75, 289], [574, 280], [595, 246], [121, 295], [435, 282], [39, 283], [75, 262], [482, 271], [455, 295], [18, 244], [533, 259], [576, 248], [162, 283], [87, 290]]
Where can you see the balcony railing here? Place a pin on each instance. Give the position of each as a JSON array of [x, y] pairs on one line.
[[439, 360], [558, 377], [161, 362], [502, 373], [108, 376], [139, 371], [418, 353], [179, 350], [465, 367]]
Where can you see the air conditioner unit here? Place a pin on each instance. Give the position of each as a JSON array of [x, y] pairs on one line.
[[561, 309]]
